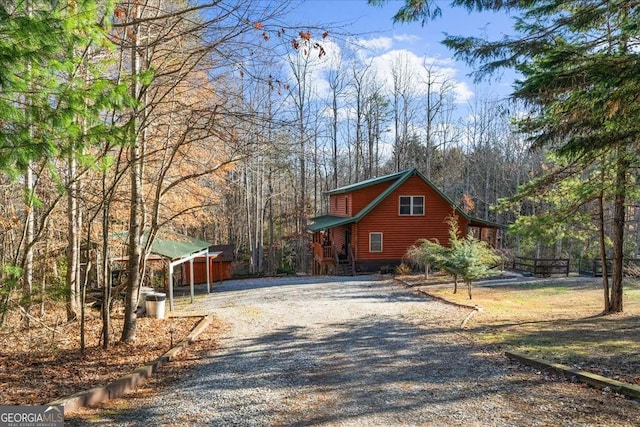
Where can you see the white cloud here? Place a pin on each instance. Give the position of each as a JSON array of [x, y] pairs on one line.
[[318, 57], [378, 53], [377, 44], [406, 38], [463, 92], [419, 71]]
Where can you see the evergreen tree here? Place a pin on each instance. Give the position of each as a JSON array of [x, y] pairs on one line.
[[580, 77], [465, 257], [54, 96], [425, 254]]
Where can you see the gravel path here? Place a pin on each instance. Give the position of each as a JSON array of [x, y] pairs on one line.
[[359, 352]]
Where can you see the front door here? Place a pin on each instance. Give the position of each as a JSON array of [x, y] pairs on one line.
[[347, 241]]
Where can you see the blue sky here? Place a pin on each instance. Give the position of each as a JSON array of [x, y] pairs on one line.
[[373, 27]]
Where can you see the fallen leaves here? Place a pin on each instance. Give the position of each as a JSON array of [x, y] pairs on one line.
[[37, 366]]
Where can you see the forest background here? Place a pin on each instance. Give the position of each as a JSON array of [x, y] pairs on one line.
[[124, 121]]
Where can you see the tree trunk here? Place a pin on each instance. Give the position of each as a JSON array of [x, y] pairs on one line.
[[334, 138], [73, 245], [271, 221], [615, 305], [134, 252], [105, 271], [27, 271]]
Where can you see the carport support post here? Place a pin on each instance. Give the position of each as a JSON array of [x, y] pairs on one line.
[[208, 268], [170, 287], [191, 281]]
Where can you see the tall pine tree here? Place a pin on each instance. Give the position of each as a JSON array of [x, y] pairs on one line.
[[580, 78]]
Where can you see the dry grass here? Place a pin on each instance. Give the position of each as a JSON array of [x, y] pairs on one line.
[[557, 321]]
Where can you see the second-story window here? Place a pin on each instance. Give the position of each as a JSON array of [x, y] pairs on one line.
[[411, 205]]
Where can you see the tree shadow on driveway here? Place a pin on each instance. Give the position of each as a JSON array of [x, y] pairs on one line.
[[374, 364]]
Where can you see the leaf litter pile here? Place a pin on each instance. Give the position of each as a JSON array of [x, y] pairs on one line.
[[44, 362]]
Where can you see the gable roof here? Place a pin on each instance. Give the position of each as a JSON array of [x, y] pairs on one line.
[[328, 221], [369, 182], [227, 252]]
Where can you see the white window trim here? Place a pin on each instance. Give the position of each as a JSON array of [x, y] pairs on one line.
[[381, 241], [424, 199]]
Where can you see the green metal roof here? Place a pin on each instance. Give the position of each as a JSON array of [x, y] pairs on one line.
[[367, 183], [178, 246], [170, 245], [328, 221]]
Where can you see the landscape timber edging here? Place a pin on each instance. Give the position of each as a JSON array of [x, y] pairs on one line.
[[129, 382], [594, 380], [474, 308]]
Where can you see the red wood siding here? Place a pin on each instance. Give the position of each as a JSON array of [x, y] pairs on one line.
[[355, 201], [218, 271], [340, 205], [361, 198], [337, 237], [400, 232]]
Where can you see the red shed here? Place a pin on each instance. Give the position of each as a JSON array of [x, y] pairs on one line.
[[372, 223], [221, 258]]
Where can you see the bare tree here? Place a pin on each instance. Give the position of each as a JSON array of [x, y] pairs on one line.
[[437, 98], [403, 97]]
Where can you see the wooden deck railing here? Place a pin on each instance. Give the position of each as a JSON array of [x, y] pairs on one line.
[[323, 253], [327, 258], [323, 256], [352, 259]]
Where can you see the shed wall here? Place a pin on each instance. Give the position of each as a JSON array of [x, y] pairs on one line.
[[218, 271]]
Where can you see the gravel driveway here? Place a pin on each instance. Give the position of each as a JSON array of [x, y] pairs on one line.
[[332, 352]]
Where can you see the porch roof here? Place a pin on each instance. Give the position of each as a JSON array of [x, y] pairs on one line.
[[329, 221]]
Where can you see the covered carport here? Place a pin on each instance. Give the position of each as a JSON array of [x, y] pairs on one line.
[[177, 249], [180, 250]]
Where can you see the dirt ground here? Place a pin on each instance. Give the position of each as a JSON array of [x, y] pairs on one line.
[[45, 363]]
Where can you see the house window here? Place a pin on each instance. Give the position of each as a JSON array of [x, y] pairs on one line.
[[375, 242], [411, 205], [346, 205]]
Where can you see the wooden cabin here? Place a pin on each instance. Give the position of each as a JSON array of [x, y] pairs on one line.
[[371, 224]]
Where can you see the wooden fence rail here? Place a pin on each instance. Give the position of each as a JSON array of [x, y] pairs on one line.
[[631, 267], [542, 267]]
